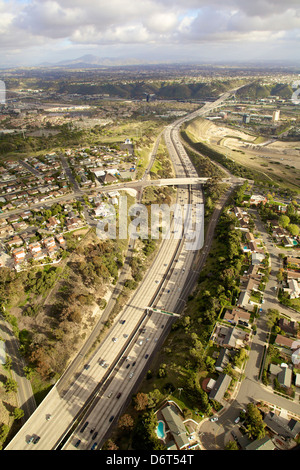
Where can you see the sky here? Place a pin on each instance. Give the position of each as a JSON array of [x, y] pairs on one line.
[[37, 31]]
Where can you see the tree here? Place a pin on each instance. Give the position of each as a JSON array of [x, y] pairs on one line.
[[273, 317], [10, 385], [126, 422], [283, 221], [231, 445], [293, 229], [110, 445], [280, 275], [141, 401], [254, 422], [18, 413], [4, 430], [8, 363]]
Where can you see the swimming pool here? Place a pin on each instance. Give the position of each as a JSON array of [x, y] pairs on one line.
[[160, 430]]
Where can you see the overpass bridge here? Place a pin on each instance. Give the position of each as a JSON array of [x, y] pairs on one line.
[[194, 180], [191, 181]]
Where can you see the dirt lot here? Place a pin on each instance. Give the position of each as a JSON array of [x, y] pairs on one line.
[[279, 161]]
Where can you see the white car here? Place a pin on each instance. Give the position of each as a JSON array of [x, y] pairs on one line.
[[237, 420], [214, 419], [115, 339]]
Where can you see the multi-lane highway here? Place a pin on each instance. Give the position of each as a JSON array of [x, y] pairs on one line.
[[98, 392]]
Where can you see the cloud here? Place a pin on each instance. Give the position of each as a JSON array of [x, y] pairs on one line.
[[34, 23]]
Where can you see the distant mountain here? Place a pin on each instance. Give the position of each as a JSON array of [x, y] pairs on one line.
[[90, 60]]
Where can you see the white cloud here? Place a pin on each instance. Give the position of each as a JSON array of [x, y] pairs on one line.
[[33, 23]]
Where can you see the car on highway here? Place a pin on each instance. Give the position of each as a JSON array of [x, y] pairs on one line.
[[237, 420], [115, 339], [131, 375], [133, 364], [87, 366], [84, 426], [215, 418], [119, 394], [122, 322], [95, 435], [94, 446], [111, 418], [77, 443], [146, 356]]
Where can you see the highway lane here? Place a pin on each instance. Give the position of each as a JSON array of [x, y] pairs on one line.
[[108, 404]]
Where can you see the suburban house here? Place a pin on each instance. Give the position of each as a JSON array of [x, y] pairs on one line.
[[222, 360], [235, 338], [36, 250], [19, 255], [237, 315], [285, 377], [292, 274], [14, 241], [261, 444], [220, 387], [293, 262], [244, 300], [175, 426], [283, 374], [293, 289], [257, 258], [287, 241], [289, 428], [290, 327], [242, 216], [61, 240], [256, 199], [107, 178], [52, 223], [73, 222], [286, 342]]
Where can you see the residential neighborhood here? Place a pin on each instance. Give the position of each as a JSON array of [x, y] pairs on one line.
[[39, 199]]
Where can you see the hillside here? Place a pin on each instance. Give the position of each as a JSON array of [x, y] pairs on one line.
[[161, 89], [258, 91]]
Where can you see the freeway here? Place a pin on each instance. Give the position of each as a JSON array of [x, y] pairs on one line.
[[58, 420]]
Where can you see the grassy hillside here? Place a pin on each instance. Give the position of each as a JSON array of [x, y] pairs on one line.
[[258, 91]]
